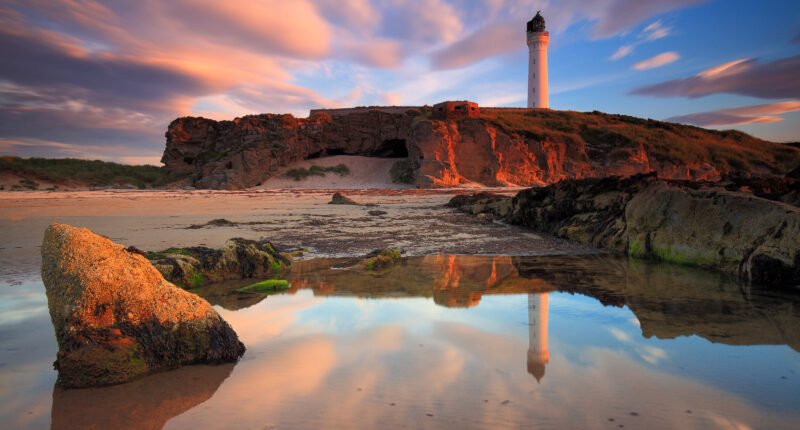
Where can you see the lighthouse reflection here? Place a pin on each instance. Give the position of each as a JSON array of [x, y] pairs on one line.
[[538, 356]]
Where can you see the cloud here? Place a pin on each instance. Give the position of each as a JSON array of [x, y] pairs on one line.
[[623, 51], [796, 39], [657, 61], [91, 73], [748, 77], [30, 147], [381, 53], [487, 42], [502, 33], [758, 114], [619, 15], [435, 22], [654, 31]]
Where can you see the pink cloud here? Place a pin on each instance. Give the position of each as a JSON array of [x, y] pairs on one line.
[[657, 61], [758, 114], [489, 41], [774, 80], [623, 51]]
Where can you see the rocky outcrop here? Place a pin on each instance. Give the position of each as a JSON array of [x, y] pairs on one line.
[[116, 318], [696, 224], [340, 199], [499, 147], [237, 259]]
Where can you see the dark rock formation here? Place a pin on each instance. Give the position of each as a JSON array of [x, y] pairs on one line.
[[481, 203], [339, 199], [496, 147], [695, 224], [237, 259], [783, 189], [116, 318]]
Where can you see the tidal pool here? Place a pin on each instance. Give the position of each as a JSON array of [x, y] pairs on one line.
[[449, 341]]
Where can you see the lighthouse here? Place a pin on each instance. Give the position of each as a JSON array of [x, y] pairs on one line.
[[538, 355], [538, 39]]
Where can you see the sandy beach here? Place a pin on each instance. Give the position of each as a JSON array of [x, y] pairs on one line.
[[415, 221]]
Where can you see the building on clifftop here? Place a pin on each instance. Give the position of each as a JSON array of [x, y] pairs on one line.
[[455, 110]]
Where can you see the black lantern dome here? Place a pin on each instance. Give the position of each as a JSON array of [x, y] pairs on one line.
[[536, 24]]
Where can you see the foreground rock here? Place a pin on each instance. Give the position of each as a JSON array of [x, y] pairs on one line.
[[688, 223], [237, 259], [116, 318], [497, 147]]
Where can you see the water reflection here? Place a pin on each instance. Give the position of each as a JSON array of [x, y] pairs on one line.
[[538, 356], [668, 301], [463, 342], [146, 403]]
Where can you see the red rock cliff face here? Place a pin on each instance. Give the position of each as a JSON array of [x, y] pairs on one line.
[[524, 148]]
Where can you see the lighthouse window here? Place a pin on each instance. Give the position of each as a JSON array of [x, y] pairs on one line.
[[533, 90], [534, 75], [534, 61]]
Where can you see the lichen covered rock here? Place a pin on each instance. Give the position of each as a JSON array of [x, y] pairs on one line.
[[381, 259], [237, 259], [116, 318]]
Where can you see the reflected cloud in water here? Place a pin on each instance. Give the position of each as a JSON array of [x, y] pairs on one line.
[[478, 342]]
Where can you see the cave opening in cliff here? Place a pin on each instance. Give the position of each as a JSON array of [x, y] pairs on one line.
[[327, 153], [391, 148]]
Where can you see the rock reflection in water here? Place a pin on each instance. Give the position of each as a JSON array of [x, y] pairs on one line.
[[146, 403], [668, 300], [224, 294]]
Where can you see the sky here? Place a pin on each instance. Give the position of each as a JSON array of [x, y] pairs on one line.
[[103, 79]]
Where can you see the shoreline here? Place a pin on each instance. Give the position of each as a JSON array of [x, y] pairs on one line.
[[413, 220]]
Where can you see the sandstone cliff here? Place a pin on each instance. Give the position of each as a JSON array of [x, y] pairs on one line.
[[116, 318], [523, 147]]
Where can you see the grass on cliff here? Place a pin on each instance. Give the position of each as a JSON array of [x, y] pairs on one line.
[[302, 173], [88, 172], [618, 136]]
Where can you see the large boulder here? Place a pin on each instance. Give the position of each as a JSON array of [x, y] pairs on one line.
[[116, 318], [757, 239]]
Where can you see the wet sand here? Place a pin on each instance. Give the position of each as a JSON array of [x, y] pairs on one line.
[[415, 221]]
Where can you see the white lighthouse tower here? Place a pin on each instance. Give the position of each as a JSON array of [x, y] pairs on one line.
[[537, 63]]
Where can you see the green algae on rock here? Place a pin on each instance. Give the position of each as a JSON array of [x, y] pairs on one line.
[[237, 259], [381, 258], [116, 318], [266, 287]]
